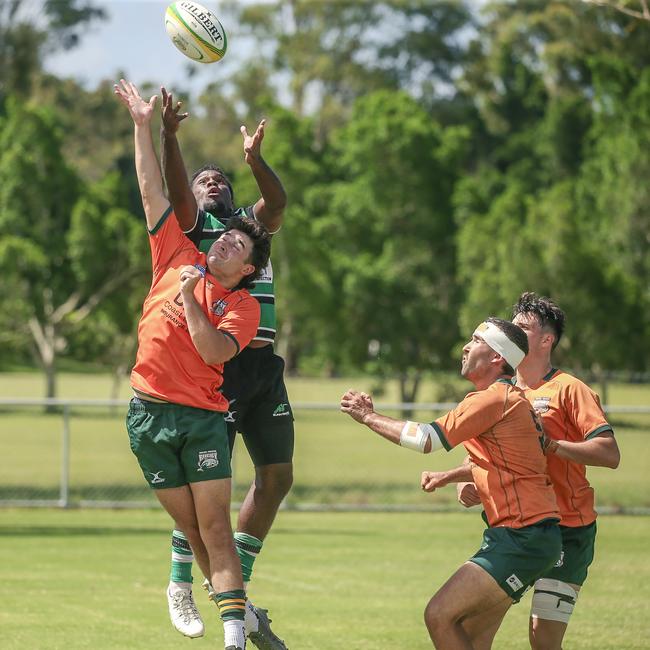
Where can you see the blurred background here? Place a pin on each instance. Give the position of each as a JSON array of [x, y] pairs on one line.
[[439, 157]]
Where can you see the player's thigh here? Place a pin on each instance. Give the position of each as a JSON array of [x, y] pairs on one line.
[[482, 628], [578, 546], [515, 558], [212, 506], [179, 504], [205, 453], [156, 442], [469, 592], [267, 425]]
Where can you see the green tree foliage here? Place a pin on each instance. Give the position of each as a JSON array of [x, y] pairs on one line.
[[387, 229], [29, 30], [559, 87], [64, 250]]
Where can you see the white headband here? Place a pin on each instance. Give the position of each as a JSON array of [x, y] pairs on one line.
[[500, 343]]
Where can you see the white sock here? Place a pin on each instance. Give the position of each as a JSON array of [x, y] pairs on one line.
[[251, 622], [233, 634], [177, 586]]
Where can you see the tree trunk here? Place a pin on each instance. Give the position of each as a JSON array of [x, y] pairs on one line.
[[408, 391]]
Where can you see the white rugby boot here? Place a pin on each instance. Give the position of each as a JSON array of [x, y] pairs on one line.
[[183, 613]]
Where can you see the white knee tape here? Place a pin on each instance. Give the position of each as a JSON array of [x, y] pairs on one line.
[[553, 600]]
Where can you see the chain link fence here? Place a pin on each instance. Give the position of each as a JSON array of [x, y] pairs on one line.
[[75, 453]]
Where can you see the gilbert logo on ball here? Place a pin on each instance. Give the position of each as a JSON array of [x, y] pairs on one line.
[[195, 31]]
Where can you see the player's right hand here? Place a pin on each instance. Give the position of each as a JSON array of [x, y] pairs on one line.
[[140, 110], [432, 480]]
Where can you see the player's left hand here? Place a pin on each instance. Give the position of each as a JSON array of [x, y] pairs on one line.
[[357, 405], [171, 115], [189, 277], [468, 494], [253, 143]]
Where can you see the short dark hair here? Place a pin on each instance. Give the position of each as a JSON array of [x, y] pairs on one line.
[[261, 239], [210, 167], [515, 334], [549, 315]]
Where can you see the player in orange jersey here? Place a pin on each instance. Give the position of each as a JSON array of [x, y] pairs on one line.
[[499, 430], [577, 434], [197, 316]]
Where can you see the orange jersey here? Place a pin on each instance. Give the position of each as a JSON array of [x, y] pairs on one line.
[[168, 366], [570, 410], [497, 427]]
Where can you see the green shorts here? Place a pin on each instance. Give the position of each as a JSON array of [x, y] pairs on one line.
[[253, 383], [577, 554], [516, 557], [176, 445]]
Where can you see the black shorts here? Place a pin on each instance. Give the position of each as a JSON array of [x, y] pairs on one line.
[[253, 383]]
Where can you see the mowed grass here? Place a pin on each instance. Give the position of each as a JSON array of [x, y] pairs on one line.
[[336, 461], [96, 579]]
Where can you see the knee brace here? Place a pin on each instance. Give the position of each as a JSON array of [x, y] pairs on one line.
[[553, 600]]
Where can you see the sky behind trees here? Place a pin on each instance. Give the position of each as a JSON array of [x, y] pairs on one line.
[[132, 39]]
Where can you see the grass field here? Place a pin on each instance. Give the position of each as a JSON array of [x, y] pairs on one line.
[[95, 579], [336, 461]]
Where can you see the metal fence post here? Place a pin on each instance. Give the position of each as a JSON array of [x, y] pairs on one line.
[[64, 492]]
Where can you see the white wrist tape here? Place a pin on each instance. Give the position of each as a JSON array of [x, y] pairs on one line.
[[414, 436], [500, 343]]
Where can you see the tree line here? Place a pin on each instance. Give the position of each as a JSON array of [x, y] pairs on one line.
[[440, 158]]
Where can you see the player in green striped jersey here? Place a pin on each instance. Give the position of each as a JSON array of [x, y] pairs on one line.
[[253, 380]]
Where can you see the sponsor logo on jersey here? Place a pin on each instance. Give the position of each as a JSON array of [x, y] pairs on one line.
[[207, 460], [541, 404]]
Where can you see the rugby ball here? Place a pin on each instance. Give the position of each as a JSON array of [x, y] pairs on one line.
[[195, 31]]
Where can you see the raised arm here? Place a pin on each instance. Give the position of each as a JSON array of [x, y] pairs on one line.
[[269, 209], [147, 169], [178, 184]]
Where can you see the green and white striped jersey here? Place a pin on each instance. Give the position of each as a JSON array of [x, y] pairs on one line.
[[205, 231]]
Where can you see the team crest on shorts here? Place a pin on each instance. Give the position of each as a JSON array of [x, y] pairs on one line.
[[219, 307], [541, 404], [207, 460], [560, 562]]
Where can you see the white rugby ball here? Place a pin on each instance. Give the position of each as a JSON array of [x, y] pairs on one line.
[[195, 31]]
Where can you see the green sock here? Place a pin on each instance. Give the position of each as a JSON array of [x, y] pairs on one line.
[[182, 558], [232, 604], [248, 548]]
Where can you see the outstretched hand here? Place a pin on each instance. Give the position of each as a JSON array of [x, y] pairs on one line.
[[357, 405], [171, 117], [141, 111], [253, 143]]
